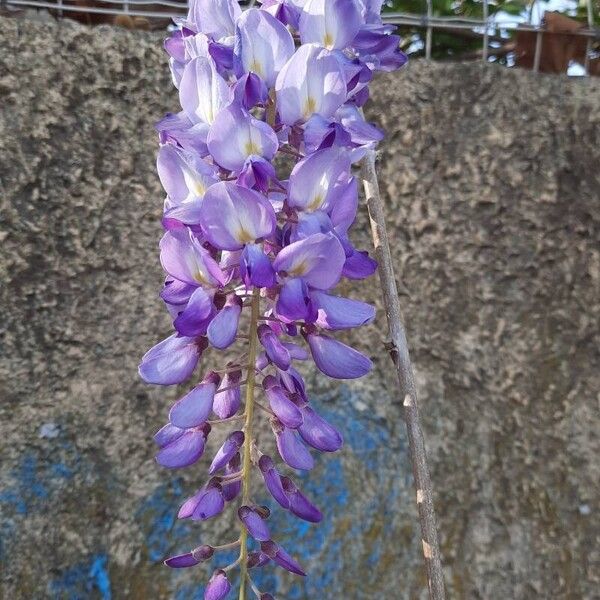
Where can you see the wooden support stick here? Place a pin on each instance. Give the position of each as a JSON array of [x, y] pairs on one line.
[[407, 390]]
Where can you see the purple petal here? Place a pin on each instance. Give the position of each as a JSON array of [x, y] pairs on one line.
[[192, 321], [257, 559], [195, 407], [182, 452], [273, 480], [171, 361], [294, 301], [227, 451], [291, 449], [336, 359], [318, 433], [262, 45], [235, 135], [313, 179], [233, 216], [300, 505], [336, 312], [293, 382], [176, 292], [282, 558], [250, 90], [359, 266], [312, 81], [202, 92], [227, 403], [255, 525], [207, 503], [317, 259], [183, 257], [231, 490], [218, 587], [257, 173], [182, 561], [332, 24], [275, 350], [285, 410], [296, 352], [256, 268], [222, 330], [167, 434]]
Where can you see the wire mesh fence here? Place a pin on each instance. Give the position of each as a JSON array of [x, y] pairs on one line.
[[550, 45]]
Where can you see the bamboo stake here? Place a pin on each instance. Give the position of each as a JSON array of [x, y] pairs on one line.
[[400, 356]]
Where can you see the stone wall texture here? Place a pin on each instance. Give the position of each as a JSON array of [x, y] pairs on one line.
[[492, 184]]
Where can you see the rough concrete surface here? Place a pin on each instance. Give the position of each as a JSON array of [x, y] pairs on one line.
[[492, 183]]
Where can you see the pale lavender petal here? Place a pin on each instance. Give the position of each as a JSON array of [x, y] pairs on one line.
[[233, 216], [203, 92], [171, 361], [311, 82], [195, 407], [214, 17], [218, 587], [235, 135], [318, 433], [317, 259], [222, 330], [262, 45], [331, 23], [227, 451], [183, 175], [183, 257], [291, 449], [183, 452], [254, 523], [313, 179], [336, 312], [336, 359]]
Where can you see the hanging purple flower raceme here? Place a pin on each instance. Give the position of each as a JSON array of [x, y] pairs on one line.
[[244, 236]]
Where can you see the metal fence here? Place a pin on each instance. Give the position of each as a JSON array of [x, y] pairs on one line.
[[158, 13]]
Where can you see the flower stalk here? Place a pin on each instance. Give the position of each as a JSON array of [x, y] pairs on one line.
[[248, 432]]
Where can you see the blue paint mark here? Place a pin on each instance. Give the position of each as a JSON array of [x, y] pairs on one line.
[[99, 575], [79, 580], [159, 512]]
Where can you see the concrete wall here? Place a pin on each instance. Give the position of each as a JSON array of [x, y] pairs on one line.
[[492, 182]]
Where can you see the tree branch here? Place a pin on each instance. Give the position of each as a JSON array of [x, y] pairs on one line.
[[407, 389]]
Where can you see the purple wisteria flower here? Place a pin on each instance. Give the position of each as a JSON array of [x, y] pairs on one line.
[[253, 250]]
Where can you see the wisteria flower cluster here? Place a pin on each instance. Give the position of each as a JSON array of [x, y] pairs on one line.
[[283, 81]]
